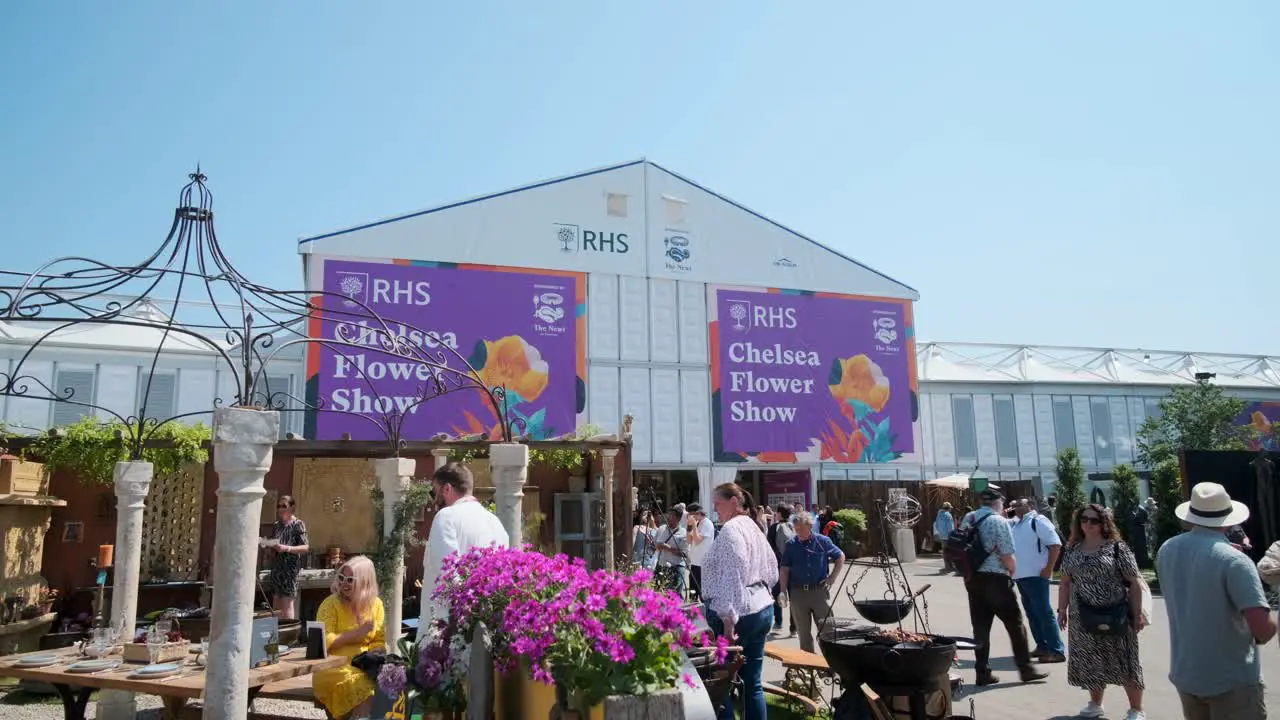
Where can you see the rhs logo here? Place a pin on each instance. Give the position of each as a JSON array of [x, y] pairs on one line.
[[354, 287]]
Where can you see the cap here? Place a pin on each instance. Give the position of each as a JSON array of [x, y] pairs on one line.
[[990, 494]]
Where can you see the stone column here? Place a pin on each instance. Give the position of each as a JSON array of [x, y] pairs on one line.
[[510, 465], [394, 475], [608, 456], [243, 440], [132, 483], [441, 457]]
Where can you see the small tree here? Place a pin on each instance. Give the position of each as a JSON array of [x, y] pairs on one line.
[[1069, 489], [1199, 417], [1124, 497], [1166, 488]]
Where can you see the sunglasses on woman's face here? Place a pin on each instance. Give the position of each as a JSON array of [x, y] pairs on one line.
[[282, 507], [1090, 520], [347, 579]]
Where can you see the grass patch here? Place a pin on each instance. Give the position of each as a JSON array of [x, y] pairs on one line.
[[778, 710]]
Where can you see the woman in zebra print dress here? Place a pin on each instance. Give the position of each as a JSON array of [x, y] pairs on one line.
[[1100, 570]]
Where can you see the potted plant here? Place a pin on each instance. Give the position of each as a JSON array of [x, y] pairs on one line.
[[608, 641], [46, 599], [429, 677]]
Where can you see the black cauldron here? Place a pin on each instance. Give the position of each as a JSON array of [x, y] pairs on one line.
[[861, 657], [883, 612]]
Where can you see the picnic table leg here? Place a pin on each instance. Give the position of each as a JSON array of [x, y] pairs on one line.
[[173, 707], [74, 701]]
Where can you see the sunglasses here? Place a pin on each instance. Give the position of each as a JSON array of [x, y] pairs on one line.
[[347, 579], [282, 507], [1090, 520]]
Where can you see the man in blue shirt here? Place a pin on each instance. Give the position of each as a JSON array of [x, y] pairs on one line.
[[805, 576], [1218, 613], [991, 592]]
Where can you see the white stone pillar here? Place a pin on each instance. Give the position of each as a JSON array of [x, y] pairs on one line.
[[394, 475], [243, 440], [132, 483], [510, 465], [441, 457], [608, 456]]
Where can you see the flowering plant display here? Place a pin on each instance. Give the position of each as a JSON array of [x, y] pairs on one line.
[[593, 634], [431, 672]]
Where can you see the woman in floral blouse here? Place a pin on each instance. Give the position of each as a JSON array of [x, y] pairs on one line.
[[739, 572]]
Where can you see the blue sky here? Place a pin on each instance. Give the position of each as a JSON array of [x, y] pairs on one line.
[[1101, 174]]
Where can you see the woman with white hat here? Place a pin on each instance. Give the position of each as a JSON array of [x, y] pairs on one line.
[[1100, 606]]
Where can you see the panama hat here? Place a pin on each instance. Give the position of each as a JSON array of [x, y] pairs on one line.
[[1211, 506]]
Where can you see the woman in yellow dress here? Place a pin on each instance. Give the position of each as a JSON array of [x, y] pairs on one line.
[[353, 623]]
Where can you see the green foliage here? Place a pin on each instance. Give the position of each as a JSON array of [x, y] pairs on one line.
[[1198, 417], [568, 459], [1069, 489], [1166, 488], [90, 449], [854, 522], [1124, 497], [389, 554]]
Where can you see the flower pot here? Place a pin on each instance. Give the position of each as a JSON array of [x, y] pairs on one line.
[[665, 704]]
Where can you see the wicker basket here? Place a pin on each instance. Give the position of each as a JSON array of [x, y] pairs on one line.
[[169, 652]]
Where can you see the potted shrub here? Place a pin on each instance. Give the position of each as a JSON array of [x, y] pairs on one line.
[[854, 523]]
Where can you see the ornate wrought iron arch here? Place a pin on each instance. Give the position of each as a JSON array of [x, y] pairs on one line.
[[212, 307]]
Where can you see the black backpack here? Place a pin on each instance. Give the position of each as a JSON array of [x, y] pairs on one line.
[[964, 547]]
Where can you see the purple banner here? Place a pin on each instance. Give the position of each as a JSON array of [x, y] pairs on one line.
[[808, 377], [519, 329], [1263, 421]]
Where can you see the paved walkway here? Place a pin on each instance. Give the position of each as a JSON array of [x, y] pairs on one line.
[[1051, 699]]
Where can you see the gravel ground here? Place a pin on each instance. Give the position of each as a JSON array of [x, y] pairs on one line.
[[19, 705]]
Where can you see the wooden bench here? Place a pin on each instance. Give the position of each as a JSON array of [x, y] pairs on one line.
[[806, 664]]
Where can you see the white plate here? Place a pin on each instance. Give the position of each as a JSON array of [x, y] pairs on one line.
[[91, 666], [158, 669], [147, 674], [37, 660]]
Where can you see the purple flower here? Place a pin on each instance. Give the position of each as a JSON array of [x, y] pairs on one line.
[[392, 680]]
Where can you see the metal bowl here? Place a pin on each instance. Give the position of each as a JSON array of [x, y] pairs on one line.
[[883, 612]]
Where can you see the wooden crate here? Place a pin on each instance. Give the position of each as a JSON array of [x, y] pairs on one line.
[[169, 652], [20, 478]]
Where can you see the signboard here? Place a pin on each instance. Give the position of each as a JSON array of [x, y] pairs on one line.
[[811, 377], [787, 488], [521, 329]]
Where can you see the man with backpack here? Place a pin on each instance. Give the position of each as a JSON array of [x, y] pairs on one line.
[[779, 534], [982, 548]]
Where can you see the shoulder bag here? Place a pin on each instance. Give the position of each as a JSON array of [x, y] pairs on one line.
[[1106, 619]]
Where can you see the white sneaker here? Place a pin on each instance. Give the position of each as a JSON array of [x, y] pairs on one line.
[[1092, 710], [1135, 715]]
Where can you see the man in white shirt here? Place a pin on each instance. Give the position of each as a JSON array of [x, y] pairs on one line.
[[700, 532], [1036, 547], [460, 523]]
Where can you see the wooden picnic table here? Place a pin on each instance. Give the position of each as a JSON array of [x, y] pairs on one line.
[[175, 691]]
